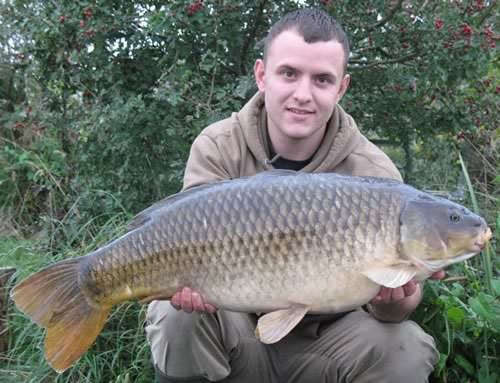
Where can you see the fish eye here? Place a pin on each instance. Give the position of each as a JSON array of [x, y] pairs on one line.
[[455, 218]]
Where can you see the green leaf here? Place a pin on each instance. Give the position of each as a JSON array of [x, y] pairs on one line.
[[465, 364], [441, 364], [481, 307], [487, 308], [455, 315], [495, 283], [486, 373]]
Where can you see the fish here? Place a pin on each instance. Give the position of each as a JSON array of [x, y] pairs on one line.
[[280, 243]]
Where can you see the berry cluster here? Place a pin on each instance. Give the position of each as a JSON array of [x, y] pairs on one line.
[[466, 30], [490, 36], [194, 7], [87, 13]]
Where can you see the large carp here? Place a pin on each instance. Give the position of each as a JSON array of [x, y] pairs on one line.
[[281, 243]]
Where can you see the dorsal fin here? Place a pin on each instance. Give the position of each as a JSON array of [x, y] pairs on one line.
[[145, 216]]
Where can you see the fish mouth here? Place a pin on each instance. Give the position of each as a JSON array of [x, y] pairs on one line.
[[480, 244], [434, 265]]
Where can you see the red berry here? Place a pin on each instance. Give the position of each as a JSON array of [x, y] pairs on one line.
[[439, 24], [466, 30], [62, 19], [87, 13], [194, 7]]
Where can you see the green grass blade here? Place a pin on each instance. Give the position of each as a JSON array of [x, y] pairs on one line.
[[486, 254]]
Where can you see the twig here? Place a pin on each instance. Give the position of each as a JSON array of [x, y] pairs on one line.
[[384, 20], [399, 60], [455, 279], [251, 36]]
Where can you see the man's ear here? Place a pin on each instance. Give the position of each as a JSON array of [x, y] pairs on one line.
[[259, 73], [344, 85]]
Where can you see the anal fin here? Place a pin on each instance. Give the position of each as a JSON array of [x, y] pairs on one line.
[[273, 326]]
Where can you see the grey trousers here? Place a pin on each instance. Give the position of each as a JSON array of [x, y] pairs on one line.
[[222, 347]]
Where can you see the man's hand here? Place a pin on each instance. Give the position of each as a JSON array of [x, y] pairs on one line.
[[189, 300], [395, 305]]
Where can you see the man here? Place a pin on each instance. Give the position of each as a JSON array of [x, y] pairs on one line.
[[294, 122]]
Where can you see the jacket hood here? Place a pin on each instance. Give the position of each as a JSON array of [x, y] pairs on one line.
[[341, 137]]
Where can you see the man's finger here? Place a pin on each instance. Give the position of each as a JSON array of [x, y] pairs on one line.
[[385, 295], [198, 304], [186, 303], [397, 294], [175, 301], [210, 309], [410, 288], [438, 275]]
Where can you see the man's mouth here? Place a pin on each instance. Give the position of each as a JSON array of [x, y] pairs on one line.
[[300, 111]]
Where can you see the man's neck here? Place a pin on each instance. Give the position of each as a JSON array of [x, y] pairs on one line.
[[296, 149]]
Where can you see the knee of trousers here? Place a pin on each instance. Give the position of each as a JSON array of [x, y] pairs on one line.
[[185, 345], [403, 349]]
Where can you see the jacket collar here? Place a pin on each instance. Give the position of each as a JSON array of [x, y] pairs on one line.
[[341, 137]]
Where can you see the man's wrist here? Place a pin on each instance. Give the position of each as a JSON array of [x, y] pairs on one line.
[[397, 311]]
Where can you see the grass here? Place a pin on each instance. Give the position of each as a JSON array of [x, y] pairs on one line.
[[462, 313], [120, 354]]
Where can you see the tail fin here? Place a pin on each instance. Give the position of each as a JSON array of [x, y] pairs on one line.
[[54, 300]]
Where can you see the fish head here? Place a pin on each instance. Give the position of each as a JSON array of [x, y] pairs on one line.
[[436, 232]]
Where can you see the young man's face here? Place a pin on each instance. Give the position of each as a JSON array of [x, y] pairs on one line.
[[301, 82]]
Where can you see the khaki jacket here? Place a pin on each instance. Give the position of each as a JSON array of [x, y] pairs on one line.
[[238, 146]]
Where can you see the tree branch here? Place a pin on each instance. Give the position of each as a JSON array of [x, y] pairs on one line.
[[368, 49], [250, 36], [399, 60], [385, 19], [488, 12]]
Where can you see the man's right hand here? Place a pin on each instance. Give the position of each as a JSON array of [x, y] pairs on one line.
[[189, 300]]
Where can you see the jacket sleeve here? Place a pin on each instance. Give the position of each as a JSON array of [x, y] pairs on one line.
[[205, 163]]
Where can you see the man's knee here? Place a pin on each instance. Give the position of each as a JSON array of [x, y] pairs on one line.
[[403, 349], [185, 345]]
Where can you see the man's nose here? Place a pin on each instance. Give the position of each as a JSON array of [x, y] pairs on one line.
[[303, 91]]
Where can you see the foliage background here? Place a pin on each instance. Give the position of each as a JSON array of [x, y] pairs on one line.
[[100, 100]]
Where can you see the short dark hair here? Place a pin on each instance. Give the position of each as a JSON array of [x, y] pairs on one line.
[[313, 25]]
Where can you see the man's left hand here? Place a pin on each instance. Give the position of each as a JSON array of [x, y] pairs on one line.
[[394, 305]]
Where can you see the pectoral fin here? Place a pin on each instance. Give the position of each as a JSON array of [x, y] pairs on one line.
[[275, 325], [391, 276]]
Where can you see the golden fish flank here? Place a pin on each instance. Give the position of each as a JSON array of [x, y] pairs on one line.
[[280, 242]]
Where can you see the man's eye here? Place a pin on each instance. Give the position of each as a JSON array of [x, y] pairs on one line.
[[288, 73], [324, 80]]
